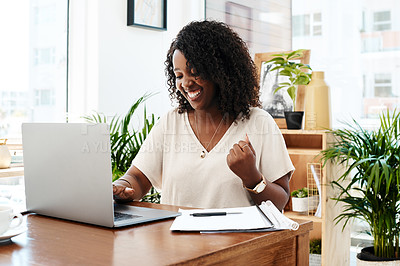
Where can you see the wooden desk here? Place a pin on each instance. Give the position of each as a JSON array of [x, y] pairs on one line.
[[51, 241]]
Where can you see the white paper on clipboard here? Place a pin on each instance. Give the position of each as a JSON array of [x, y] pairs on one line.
[[265, 217]]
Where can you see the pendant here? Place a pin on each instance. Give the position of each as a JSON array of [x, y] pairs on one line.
[[203, 154]]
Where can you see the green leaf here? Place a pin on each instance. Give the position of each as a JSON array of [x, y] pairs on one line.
[[276, 60], [285, 72], [301, 80], [292, 92], [276, 67]]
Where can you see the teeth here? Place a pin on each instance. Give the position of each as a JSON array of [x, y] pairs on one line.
[[193, 94]]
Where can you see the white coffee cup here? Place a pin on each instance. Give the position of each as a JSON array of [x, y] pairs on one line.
[[7, 215]]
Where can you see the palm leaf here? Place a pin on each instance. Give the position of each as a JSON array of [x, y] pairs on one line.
[[124, 139], [371, 160]]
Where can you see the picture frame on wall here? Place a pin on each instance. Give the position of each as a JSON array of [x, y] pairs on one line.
[[150, 14], [276, 104]]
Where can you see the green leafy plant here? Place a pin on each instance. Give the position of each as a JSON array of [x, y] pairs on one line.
[[300, 193], [315, 246], [371, 163], [285, 64], [126, 141]]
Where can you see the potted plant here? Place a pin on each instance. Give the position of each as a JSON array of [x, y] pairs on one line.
[[286, 65], [315, 252], [126, 141], [302, 201], [370, 184]]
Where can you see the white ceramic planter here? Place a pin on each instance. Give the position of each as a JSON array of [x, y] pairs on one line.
[[377, 263], [363, 259], [304, 204], [315, 260]]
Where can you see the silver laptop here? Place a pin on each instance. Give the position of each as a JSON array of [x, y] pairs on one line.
[[67, 169]]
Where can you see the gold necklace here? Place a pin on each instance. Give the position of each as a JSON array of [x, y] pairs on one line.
[[203, 152]]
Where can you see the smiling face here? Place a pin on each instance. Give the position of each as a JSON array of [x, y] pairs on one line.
[[201, 94]]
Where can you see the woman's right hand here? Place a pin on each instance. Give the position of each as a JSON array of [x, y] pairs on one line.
[[123, 193], [131, 186]]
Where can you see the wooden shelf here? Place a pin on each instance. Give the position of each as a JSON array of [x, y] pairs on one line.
[[303, 131], [295, 215], [305, 151], [304, 146]]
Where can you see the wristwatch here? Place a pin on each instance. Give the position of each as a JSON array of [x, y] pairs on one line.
[[259, 187]]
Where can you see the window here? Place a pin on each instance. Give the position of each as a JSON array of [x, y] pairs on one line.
[[301, 25], [359, 56], [44, 97], [307, 25], [44, 56], [317, 24], [34, 60], [44, 14], [363, 22], [372, 44], [382, 21], [383, 85]]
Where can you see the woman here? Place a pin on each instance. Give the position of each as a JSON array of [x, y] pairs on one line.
[[217, 149]]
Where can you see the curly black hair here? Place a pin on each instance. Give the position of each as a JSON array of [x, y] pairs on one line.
[[216, 53]]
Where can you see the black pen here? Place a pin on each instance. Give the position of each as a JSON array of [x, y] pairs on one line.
[[206, 214]]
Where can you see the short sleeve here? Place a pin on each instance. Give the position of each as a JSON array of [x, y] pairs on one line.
[[274, 158], [149, 159]]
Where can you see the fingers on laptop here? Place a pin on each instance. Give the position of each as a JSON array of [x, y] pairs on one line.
[[128, 193], [122, 192]]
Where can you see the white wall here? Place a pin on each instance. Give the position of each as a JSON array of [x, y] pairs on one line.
[[111, 64]]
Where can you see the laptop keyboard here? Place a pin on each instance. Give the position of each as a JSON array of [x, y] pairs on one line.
[[120, 216]]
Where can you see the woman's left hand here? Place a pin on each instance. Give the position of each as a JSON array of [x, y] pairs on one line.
[[242, 161]]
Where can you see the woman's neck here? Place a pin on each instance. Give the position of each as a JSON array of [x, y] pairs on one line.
[[210, 117], [202, 115]]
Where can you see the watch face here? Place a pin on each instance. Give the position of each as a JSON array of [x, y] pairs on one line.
[[260, 187]]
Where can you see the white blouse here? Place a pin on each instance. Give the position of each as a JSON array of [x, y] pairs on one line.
[[170, 159]]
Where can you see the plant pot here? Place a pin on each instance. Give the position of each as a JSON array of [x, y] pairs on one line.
[[367, 257], [314, 260], [294, 120], [304, 204]]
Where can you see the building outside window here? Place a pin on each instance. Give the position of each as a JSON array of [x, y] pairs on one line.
[[307, 25], [317, 24], [44, 97], [383, 85], [301, 25], [44, 56], [358, 49], [382, 21], [34, 56]]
